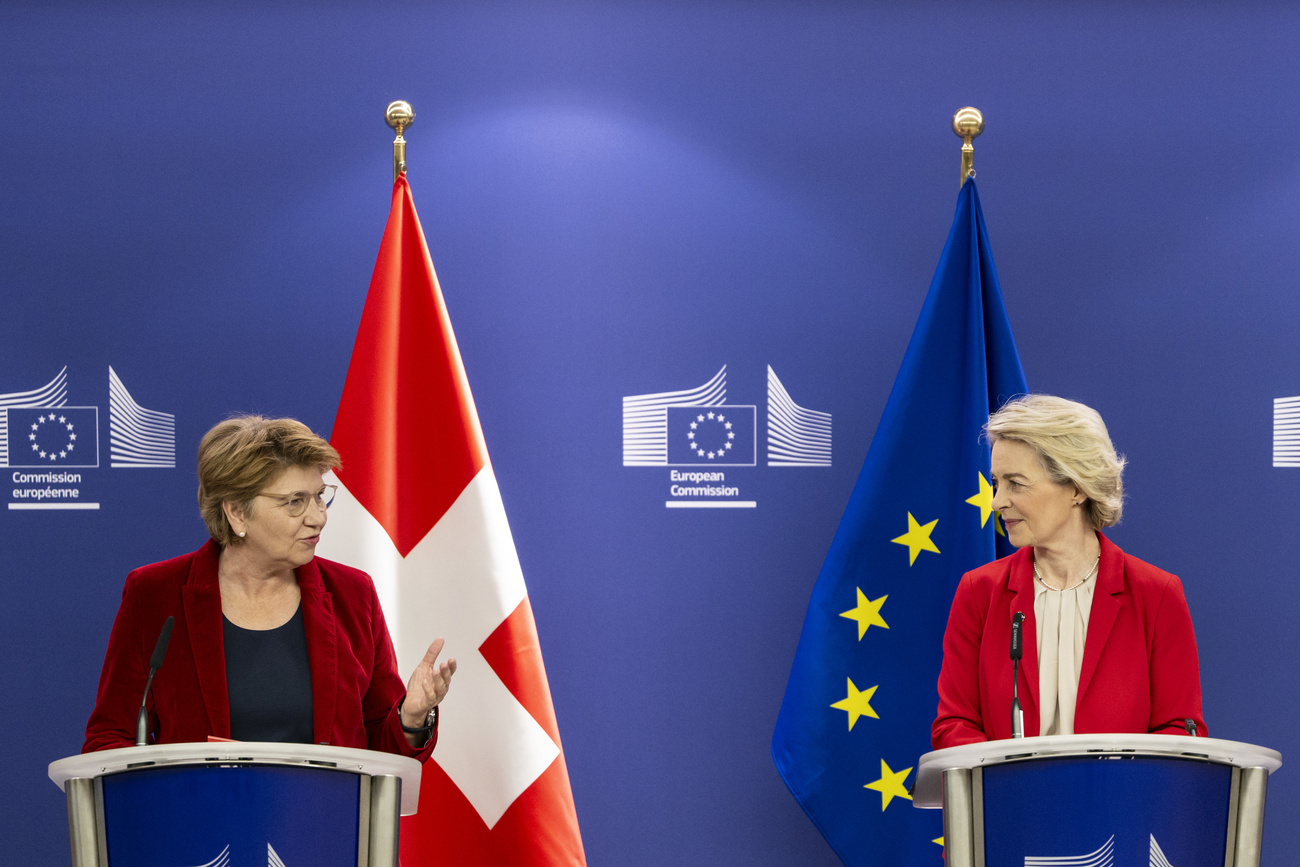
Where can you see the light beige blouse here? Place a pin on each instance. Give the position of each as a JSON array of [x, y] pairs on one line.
[[1062, 618]]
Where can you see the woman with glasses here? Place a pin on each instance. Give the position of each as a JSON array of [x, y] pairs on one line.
[[270, 643]]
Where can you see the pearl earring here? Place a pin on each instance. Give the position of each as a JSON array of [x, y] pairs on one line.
[[241, 535]]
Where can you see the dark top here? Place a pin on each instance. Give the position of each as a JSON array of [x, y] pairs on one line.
[[269, 682]]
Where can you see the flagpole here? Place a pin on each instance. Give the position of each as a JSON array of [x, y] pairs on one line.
[[967, 123], [399, 116]]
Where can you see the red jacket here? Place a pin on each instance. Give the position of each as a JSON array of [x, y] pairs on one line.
[[1140, 673], [355, 686]]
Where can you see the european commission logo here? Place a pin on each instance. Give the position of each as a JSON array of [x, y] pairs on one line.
[[46, 442], [1102, 857], [223, 860], [697, 429]]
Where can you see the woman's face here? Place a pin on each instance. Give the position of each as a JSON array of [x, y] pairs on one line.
[[274, 536], [1035, 510]]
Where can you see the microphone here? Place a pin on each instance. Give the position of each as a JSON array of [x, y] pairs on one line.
[[1017, 650], [155, 663], [1189, 725]]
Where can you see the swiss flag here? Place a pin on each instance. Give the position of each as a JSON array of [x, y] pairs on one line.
[[419, 509]]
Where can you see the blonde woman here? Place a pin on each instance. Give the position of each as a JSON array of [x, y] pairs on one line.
[[1108, 641]]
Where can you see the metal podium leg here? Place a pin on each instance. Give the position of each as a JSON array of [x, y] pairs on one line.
[[385, 819], [1250, 817], [958, 818], [83, 824]]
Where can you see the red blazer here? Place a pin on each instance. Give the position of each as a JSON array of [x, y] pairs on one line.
[[1140, 672], [355, 687]]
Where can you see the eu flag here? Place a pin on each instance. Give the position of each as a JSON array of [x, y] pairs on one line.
[[52, 436], [861, 695], [712, 435]]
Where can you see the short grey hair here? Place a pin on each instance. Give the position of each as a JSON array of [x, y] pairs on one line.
[[1073, 446]]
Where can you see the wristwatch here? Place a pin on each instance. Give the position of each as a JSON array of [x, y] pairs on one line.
[[429, 721]]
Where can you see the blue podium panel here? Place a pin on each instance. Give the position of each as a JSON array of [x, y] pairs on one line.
[[1107, 811], [231, 816]]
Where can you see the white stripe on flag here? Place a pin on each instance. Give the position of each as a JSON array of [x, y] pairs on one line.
[[461, 581]]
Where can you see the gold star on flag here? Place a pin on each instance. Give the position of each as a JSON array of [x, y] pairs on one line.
[[857, 703], [867, 613], [890, 785], [984, 499], [937, 841], [917, 538]]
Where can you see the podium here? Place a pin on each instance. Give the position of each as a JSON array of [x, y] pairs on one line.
[[231, 804], [1099, 800]]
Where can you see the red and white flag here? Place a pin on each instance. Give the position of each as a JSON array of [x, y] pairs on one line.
[[419, 509]]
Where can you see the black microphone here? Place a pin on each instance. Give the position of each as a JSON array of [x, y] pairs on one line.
[[155, 663], [1017, 650], [1189, 725]]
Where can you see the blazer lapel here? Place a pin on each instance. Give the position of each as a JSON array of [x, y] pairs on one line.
[[1105, 610], [322, 650], [201, 597]]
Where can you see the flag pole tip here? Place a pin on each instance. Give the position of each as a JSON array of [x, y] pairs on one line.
[[399, 115], [967, 123]]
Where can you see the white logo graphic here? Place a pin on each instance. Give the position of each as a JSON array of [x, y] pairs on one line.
[[54, 393], [1158, 858], [645, 419], [49, 443], [698, 427], [138, 437], [1103, 857], [1286, 432], [222, 860], [796, 437], [59, 434]]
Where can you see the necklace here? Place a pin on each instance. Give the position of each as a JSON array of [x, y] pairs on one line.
[[1063, 589]]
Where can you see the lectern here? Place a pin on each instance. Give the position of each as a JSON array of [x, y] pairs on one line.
[[231, 804], [1099, 800]]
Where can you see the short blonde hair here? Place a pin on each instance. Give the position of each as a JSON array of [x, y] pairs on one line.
[[1073, 446], [240, 456]]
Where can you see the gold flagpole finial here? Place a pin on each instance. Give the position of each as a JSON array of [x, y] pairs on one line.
[[967, 123], [399, 115]]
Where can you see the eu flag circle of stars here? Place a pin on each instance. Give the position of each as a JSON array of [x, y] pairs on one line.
[[713, 424], [57, 424]]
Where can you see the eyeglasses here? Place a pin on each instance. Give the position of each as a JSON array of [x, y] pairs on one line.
[[296, 504]]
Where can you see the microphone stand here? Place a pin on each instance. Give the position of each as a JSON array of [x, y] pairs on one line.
[[1017, 650], [155, 663]]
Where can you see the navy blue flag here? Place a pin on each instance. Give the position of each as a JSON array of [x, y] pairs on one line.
[[49, 436], [861, 695], [712, 435]]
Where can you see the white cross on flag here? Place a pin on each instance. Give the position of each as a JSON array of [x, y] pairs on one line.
[[419, 509]]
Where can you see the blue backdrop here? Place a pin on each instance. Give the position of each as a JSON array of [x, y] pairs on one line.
[[620, 199]]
